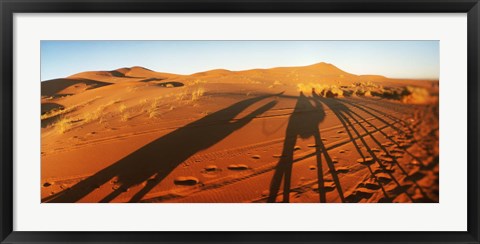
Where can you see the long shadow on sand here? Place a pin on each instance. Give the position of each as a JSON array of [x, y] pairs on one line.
[[303, 123], [156, 160], [349, 119]]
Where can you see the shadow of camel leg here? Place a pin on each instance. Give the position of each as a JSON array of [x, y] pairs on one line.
[[321, 181]]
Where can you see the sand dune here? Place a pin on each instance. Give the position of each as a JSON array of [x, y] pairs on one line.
[[123, 74], [288, 134]]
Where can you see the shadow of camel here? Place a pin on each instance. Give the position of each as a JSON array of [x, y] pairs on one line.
[[156, 160], [303, 123], [349, 118]]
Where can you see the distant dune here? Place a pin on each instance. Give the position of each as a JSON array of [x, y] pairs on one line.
[[122, 74], [324, 73]]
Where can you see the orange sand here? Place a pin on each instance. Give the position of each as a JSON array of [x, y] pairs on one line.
[[289, 134]]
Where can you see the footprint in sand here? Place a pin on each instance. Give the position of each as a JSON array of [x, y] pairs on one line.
[[211, 168], [340, 131], [312, 167], [342, 151], [387, 155], [387, 160], [387, 144], [369, 186], [256, 156], [396, 150], [414, 163], [296, 148], [404, 145], [277, 155], [237, 167], [47, 184], [383, 170], [401, 138], [383, 178], [186, 181], [365, 161], [312, 145], [328, 186], [397, 155], [374, 149], [342, 170], [415, 176], [359, 195], [390, 169]]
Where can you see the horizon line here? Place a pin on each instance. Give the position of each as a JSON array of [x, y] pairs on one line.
[[242, 70]]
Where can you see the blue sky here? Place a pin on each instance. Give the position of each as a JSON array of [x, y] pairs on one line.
[[395, 59]]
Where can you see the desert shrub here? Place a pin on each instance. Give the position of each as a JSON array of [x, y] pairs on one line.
[[412, 94], [125, 116], [122, 108], [95, 114], [197, 94], [321, 89], [359, 91], [180, 96], [63, 125]]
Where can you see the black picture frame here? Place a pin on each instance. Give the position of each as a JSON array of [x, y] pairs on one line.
[[10, 7]]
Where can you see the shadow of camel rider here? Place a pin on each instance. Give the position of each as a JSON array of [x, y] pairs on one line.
[[157, 159], [303, 123]]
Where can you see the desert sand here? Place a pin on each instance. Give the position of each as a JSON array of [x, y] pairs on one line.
[[312, 134]]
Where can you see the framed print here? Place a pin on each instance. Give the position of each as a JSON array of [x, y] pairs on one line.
[[261, 121]]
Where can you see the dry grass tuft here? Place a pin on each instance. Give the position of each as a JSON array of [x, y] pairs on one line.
[[122, 108], [95, 114], [197, 94], [63, 125], [125, 117], [416, 95], [321, 89]]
